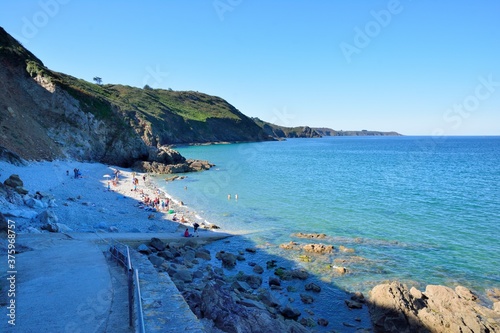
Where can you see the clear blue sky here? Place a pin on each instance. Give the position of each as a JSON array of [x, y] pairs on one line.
[[418, 67]]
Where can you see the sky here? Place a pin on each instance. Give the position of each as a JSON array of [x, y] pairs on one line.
[[418, 67]]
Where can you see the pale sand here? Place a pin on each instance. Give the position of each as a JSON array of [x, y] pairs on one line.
[[85, 204]]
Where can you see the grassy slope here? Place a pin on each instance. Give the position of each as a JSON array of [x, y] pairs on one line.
[[150, 107]]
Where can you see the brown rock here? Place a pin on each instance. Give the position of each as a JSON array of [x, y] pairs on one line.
[[290, 246], [14, 181], [318, 248], [314, 235], [394, 308], [345, 249]]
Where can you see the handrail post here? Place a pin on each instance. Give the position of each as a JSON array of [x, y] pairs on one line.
[[130, 290]]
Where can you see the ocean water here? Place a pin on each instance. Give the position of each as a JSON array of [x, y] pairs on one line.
[[420, 210]]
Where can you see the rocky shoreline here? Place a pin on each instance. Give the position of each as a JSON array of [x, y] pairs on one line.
[[232, 286], [234, 293]]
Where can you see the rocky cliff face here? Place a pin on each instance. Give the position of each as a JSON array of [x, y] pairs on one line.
[[282, 132], [40, 120], [331, 132], [46, 115]]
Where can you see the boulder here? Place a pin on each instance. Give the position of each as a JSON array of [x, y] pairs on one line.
[[290, 246], [16, 183], [56, 227], [318, 248], [157, 243], [322, 322], [271, 264], [290, 313], [203, 254], [50, 227], [13, 181], [393, 308], [218, 305], [11, 195], [47, 199], [228, 259], [313, 287], [299, 273], [167, 255], [306, 299], [253, 281], [307, 322], [198, 165], [61, 227], [241, 286], [267, 298], [274, 281], [313, 235], [155, 260], [183, 275], [46, 217], [342, 248], [258, 269], [353, 304], [340, 269], [143, 248]]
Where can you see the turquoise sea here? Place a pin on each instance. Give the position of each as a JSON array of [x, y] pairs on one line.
[[421, 210]]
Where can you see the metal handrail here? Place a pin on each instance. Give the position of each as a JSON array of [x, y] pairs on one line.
[[126, 262], [140, 316]]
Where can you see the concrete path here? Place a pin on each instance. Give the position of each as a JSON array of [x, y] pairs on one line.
[[61, 286], [66, 284]]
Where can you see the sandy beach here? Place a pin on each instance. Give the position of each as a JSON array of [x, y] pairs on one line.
[[85, 204]]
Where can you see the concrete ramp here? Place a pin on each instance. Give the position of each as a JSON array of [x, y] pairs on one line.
[[64, 287]]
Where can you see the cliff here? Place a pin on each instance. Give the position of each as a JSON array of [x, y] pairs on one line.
[[281, 132], [45, 115], [331, 132]]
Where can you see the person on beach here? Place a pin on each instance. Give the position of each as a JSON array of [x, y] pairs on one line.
[[186, 233], [195, 232]]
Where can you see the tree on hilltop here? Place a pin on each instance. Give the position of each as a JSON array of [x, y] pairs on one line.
[[98, 80]]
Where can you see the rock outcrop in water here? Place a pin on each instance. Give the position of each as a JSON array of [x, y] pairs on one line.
[[395, 308]]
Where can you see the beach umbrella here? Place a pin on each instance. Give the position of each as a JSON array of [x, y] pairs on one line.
[[107, 176]]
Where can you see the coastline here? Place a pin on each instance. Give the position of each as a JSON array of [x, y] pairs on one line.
[[85, 205]]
